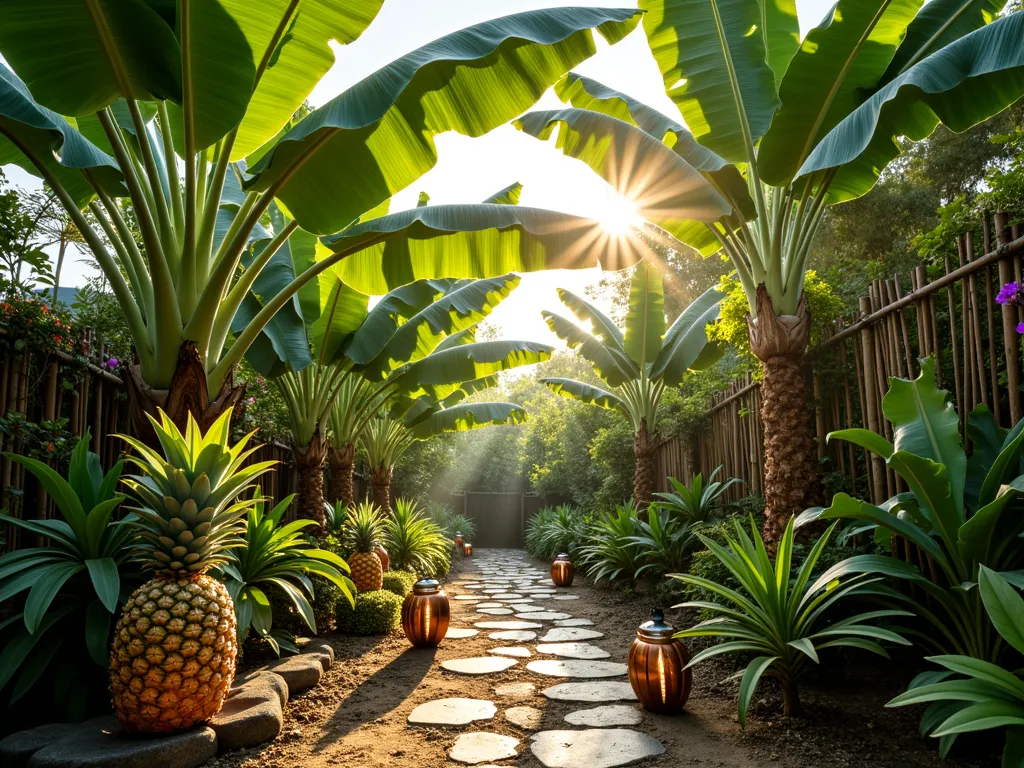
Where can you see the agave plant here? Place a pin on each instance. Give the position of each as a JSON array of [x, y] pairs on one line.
[[74, 584], [959, 514], [278, 557], [781, 618], [697, 502], [414, 542], [610, 550], [665, 542], [987, 696]]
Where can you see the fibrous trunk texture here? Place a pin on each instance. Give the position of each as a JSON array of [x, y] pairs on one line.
[[791, 706], [644, 447], [343, 463], [187, 394], [309, 464], [790, 454], [380, 479]]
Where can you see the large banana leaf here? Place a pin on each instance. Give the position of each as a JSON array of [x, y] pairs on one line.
[[665, 188], [482, 240], [938, 24], [344, 310], [966, 82], [462, 307], [645, 318], [715, 68], [604, 328], [837, 66], [586, 93], [290, 45], [377, 137], [507, 196], [686, 341], [26, 128], [585, 393], [466, 416], [439, 374], [610, 363]]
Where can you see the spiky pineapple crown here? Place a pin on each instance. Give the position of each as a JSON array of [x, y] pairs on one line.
[[364, 527], [188, 506]]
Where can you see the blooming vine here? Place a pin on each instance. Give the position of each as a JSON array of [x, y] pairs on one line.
[[1012, 294]]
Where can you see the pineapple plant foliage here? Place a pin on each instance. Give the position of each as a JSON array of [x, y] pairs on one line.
[[73, 585], [175, 645], [363, 532], [278, 556]]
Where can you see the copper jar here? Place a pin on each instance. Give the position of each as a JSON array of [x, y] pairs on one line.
[[459, 541], [467, 549], [657, 666], [425, 614], [562, 571]]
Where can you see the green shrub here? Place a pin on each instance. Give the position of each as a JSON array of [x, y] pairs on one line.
[[375, 613], [399, 582], [555, 530], [610, 549]]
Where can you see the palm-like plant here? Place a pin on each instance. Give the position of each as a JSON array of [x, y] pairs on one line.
[[782, 617], [278, 557], [665, 542], [194, 113], [639, 363], [780, 130], [554, 530], [415, 542], [696, 502], [987, 696], [74, 585], [610, 550]]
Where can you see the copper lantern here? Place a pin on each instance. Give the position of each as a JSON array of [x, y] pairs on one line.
[[459, 541], [425, 614], [383, 556], [467, 549], [657, 666], [562, 571]]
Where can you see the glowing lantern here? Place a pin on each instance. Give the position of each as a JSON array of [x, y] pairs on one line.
[[425, 614], [459, 540], [562, 571], [657, 666], [467, 549]]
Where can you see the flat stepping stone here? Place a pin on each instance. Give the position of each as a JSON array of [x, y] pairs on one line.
[[517, 651], [604, 748], [478, 665], [603, 717], [574, 623], [567, 597], [573, 650], [495, 611], [515, 690], [598, 691], [470, 598], [481, 747], [545, 616], [527, 718], [452, 712], [511, 625], [507, 596], [478, 606], [577, 668], [515, 636], [460, 633], [570, 635]]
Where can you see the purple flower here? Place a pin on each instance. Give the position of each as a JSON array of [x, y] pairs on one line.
[[1020, 327], [1009, 294], [113, 362]]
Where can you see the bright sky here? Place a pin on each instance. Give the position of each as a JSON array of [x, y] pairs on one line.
[[469, 170]]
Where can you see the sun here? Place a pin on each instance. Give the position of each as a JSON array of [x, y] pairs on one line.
[[618, 214]]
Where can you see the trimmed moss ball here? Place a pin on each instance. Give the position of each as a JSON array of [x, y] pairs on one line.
[[399, 582], [375, 613]]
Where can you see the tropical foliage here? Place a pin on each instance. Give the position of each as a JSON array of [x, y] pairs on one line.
[[696, 502], [641, 362], [415, 543], [784, 618]]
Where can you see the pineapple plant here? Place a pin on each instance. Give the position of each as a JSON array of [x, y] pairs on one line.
[[363, 532], [175, 646]]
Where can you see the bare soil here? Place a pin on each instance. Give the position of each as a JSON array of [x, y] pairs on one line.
[[357, 715]]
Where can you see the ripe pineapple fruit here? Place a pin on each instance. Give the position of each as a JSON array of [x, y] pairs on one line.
[[363, 531], [176, 643]]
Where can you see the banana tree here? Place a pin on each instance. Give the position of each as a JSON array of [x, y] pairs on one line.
[[637, 363], [781, 129], [191, 115]]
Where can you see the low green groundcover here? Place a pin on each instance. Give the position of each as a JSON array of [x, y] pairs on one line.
[[399, 582], [375, 613]]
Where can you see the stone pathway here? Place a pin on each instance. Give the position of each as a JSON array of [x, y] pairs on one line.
[[505, 582]]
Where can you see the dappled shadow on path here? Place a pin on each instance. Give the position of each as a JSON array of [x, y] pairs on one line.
[[378, 694]]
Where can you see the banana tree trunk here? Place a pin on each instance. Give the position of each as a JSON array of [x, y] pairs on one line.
[[188, 394], [309, 463], [343, 463], [790, 454], [380, 479], [644, 447]]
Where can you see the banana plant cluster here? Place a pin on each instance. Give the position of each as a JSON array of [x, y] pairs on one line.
[[779, 129], [639, 362], [188, 119]]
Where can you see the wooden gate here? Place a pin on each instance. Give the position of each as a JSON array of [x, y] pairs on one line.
[[500, 517]]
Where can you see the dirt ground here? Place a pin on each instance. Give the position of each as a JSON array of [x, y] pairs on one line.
[[357, 715]]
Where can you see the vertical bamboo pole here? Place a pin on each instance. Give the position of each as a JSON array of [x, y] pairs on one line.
[[871, 397], [1009, 326]]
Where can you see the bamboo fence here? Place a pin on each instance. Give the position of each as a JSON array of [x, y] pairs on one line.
[[950, 314]]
